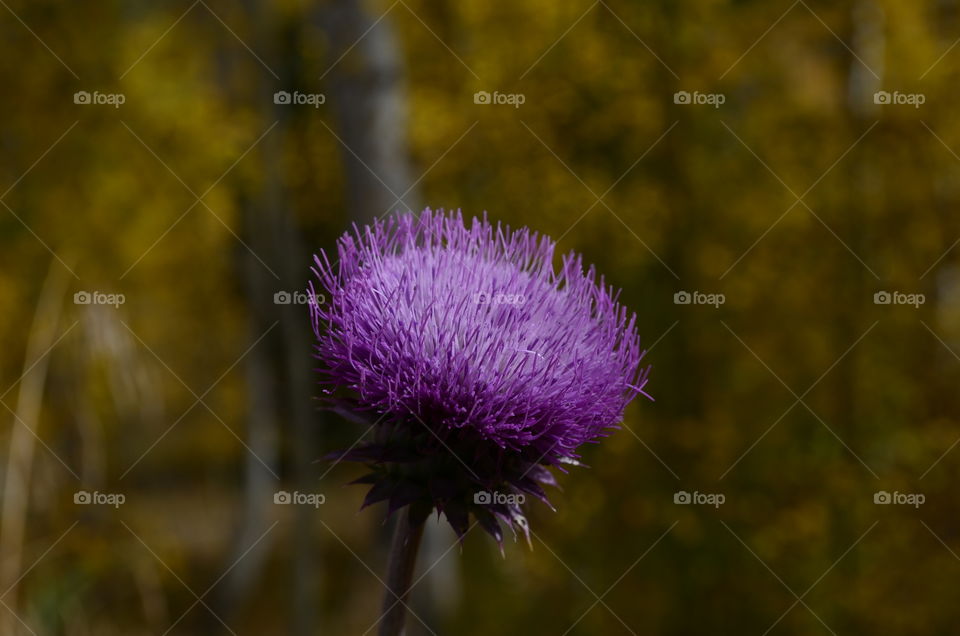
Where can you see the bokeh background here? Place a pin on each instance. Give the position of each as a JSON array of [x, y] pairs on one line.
[[814, 166]]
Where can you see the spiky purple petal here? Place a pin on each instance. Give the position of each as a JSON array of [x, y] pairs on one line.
[[482, 361]]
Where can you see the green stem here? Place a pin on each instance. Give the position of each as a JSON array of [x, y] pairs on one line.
[[403, 559]]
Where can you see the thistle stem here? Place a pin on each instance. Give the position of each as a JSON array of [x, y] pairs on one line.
[[403, 558]]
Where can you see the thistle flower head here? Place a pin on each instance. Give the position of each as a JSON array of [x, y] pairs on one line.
[[479, 362]]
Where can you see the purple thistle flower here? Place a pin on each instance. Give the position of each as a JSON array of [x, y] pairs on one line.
[[480, 363]]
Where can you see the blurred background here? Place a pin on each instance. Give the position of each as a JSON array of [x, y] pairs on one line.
[[773, 185]]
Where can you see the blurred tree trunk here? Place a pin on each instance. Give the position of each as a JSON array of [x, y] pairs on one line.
[[262, 425], [271, 230], [867, 35], [868, 27], [368, 98], [371, 122], [367, 95]]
